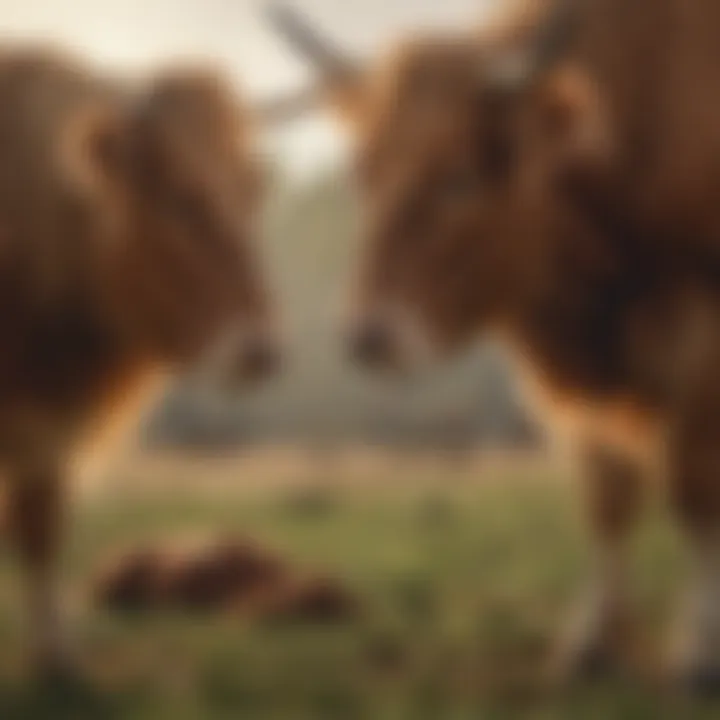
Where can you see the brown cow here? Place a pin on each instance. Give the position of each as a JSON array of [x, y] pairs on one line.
[[127, 218], [555, 183]]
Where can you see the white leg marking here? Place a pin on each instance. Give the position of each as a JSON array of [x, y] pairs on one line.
[[599, 630], [46, 632], [697, 645]]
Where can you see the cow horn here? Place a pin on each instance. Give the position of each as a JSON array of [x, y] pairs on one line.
[[332, 63], [517, 68], [283, 109]]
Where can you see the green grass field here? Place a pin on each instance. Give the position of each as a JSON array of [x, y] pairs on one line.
[[463, 581]]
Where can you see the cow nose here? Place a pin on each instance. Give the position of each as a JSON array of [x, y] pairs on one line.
[[260, 359], [371, 345]]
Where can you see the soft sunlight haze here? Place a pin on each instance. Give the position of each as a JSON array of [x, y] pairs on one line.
[[133, 34]]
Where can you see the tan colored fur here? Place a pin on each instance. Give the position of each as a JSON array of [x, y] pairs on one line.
[[619, 424], [117, 413]]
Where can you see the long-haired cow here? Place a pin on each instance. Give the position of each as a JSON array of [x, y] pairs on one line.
[[127, 218], [557, 181]]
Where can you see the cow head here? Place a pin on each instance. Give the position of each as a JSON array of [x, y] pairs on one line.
[[179, 179], [463, 145]]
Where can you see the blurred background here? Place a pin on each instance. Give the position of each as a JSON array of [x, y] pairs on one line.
[[431, 503]]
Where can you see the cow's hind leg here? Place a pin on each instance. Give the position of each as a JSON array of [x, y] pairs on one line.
[[695, 491], [35, 517], [598, 635]]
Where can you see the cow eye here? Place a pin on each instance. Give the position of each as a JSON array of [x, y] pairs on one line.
[[192, 206], [251, 184], [462, 183], [366, 169]]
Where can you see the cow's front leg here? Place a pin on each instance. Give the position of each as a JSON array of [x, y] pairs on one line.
[[694, 470], [695, 659], [599, 632], [35, 518]]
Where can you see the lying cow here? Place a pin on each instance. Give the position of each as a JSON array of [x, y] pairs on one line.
[[127, 219], [555, 182]]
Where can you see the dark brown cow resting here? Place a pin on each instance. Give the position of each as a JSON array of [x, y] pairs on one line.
[[555, 180], [228, 576], [127, 217], [212, 577]]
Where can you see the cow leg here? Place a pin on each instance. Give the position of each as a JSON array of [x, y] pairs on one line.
[[598, 634], [695, 492], [35, 510]]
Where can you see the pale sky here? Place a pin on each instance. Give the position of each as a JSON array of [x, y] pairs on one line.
[[135, 34]]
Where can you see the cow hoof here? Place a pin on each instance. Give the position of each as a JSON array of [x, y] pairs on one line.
[[62, 682], [698, 678], [594, 646], [589, 663], [56, 669], [694, 658], [702, 682], [583, 662]]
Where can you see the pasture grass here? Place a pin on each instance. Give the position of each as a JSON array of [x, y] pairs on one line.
[[463, 586]]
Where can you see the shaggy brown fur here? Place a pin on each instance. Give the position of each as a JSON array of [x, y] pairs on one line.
[[576, 216], [126, 224]]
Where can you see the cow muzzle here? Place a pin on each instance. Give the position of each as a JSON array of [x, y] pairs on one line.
[[388, 342], [244, 359], [371, 344], [259, 358]]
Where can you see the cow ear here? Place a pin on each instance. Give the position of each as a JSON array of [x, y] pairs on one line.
[[347, 101], [91, 150], [342, 79], [344, 97], [571, 120]]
